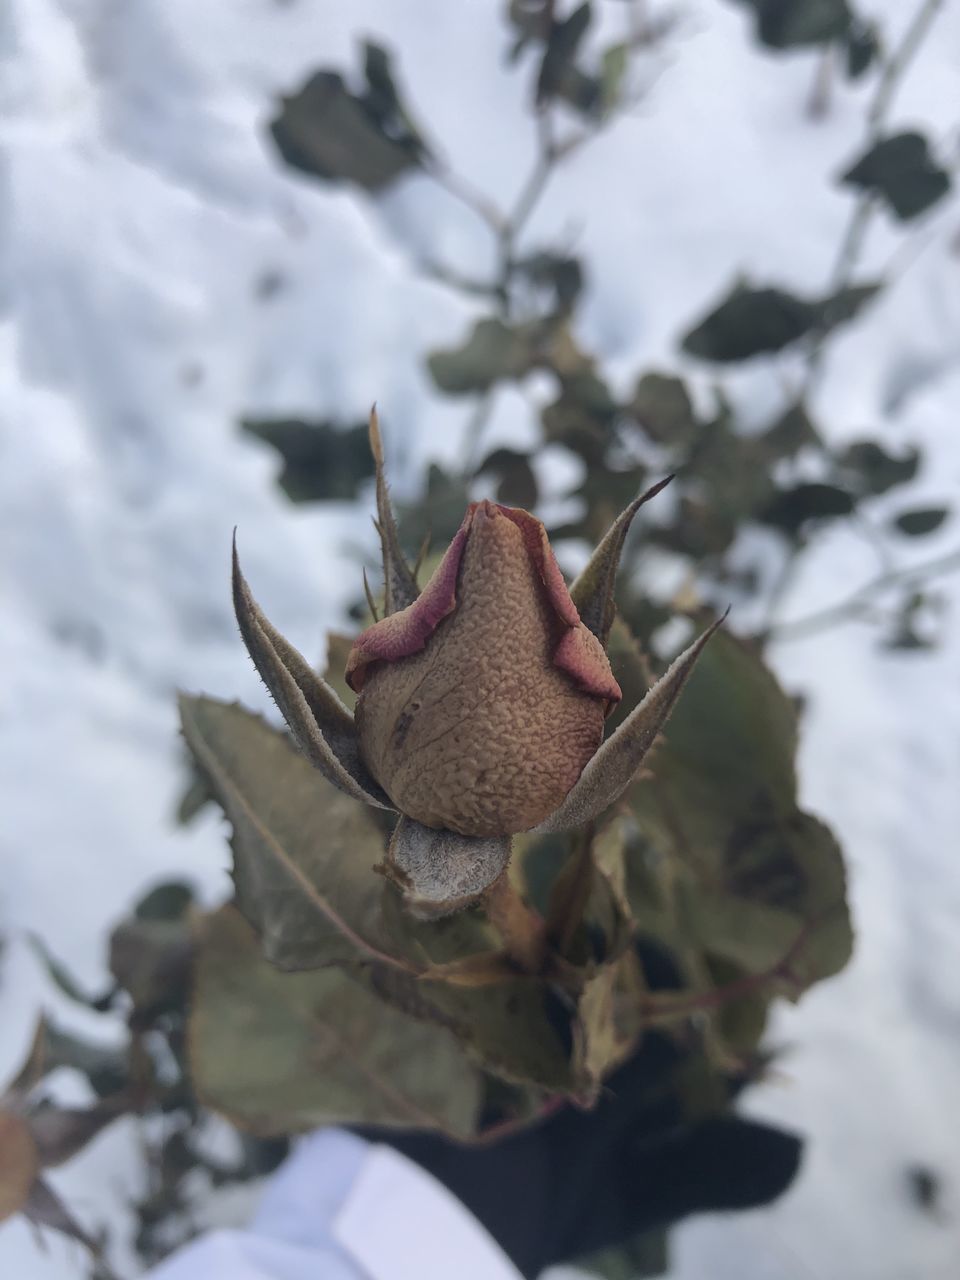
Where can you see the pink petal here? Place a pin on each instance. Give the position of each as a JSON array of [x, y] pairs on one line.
[[408, 631]]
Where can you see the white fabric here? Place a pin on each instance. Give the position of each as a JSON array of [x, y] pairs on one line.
[[342, 1209]]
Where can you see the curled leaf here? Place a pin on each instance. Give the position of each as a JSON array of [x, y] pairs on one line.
[[322, 726]]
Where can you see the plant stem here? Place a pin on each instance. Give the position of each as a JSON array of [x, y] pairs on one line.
[[854, 238], [521, 928], [859, 599]]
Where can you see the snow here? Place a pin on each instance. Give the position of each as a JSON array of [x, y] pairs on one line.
[[140, 205]]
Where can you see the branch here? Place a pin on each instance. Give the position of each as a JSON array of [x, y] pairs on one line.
[[854, 604]]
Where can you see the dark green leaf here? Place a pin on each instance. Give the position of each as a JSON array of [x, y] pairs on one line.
[[750, 322], [331, 133], [863, 47], [321, 462], [921, 521], [793, 24], [560, 273], [517, 483], [170, 900], [662, 406], [792, 508], [492, 352], [278, 1053], [556, 68], [872, 469], [901, 171]]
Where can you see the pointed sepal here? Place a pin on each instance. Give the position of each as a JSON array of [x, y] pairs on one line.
[[399, 583], [440, 872], [612, 769], [321, 725], [592, 592]]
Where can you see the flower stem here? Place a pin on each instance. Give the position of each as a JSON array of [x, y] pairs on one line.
[[521, 928]]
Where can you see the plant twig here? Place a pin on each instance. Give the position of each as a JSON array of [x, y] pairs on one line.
[[854, 238], [855, 603]]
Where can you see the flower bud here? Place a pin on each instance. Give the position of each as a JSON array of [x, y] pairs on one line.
[[481, 703]]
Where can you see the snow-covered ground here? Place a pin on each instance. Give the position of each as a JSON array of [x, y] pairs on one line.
[[139, 209]]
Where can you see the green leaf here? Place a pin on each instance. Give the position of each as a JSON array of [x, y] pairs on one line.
[[557, 71], [732, 867], [790, 509], [797, 24], [662, 406], [613, 70], [493, 351], [751, 322], [922, 521], [169, 900], [863, 47], [321, 462], [516, 481], [279, 1053], [872, 469], [902, 172], [757, 321], [304, 853], [330, 133]]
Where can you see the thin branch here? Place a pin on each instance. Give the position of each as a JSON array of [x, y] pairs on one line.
[[854, 605], [851, 246]]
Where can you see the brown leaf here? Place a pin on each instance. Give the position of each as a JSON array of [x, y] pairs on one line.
[[19, 1163], [60, 1132]]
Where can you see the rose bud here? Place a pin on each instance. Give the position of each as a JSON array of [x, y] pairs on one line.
[[481, 702], [481, 699]]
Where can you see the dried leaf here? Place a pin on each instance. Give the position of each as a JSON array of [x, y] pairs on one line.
[[440, 872], [613, 767], [303, 852], [44, 1208], [279, 1053], [320, 723], [19, 1163]]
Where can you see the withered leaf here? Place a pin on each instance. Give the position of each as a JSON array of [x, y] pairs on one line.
[[284, 1052], [304, 853], [19, 1163]]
